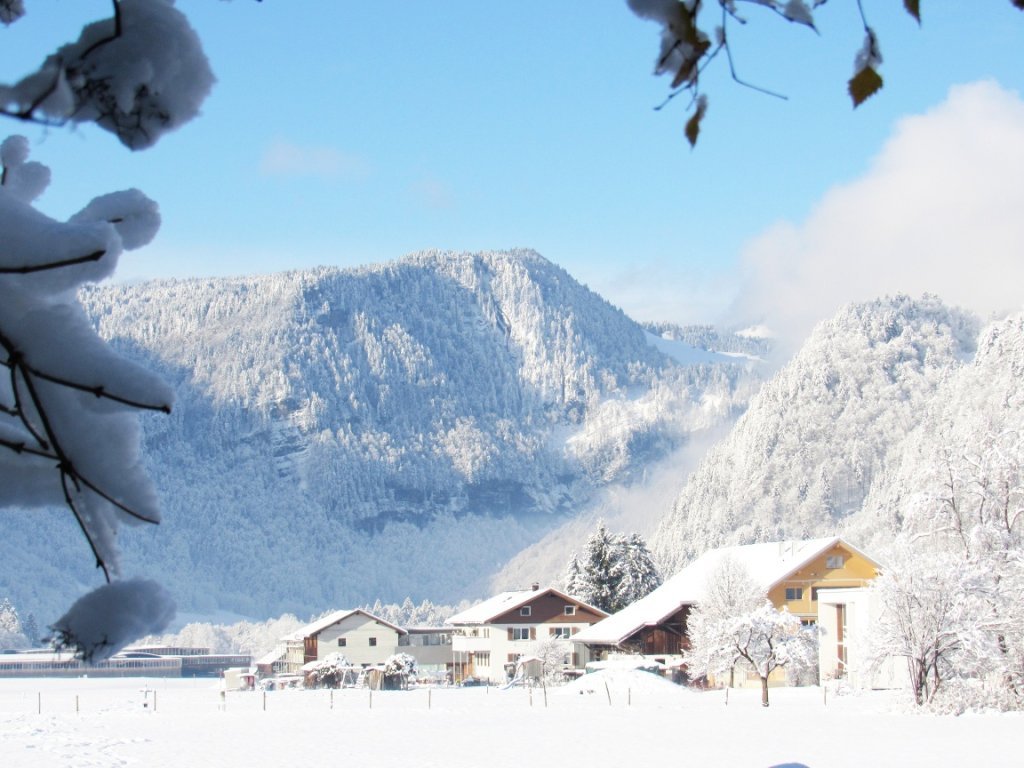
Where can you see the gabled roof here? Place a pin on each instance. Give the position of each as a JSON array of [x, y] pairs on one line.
[[500, 604], [768, 564], [331, 619]]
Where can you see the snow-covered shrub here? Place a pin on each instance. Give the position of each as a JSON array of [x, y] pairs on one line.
[[331, 672], [399, 668]]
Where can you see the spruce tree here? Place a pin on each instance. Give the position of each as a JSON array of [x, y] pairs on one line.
[[615, 570]]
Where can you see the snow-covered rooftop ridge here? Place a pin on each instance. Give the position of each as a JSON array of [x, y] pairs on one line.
[[272, 656], [493, 606], [490, 609], [767, 564], [331, 619]]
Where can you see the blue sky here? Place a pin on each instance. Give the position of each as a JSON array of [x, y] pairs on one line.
[[348, 133]]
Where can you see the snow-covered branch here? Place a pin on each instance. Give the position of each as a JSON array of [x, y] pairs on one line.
[[139, 74]]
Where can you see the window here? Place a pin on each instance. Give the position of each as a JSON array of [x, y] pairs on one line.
[[520, 633], [794, 593], [373, 642], [342, 642], [482, 658], [834, 561], [526, 610], [563, 632], [570, 610]]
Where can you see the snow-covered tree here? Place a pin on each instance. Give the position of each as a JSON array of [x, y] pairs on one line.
[[573, 575], [635, 571], [934, 617], [555, 654], [730, 592], [762, 640], [597, 583], [68, 429], [953, 588], [613, 571], [12, 633]]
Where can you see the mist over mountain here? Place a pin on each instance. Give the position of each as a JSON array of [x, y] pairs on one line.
[[395, 430]]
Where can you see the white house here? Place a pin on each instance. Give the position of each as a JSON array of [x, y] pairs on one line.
[[361, 637], [489, 638]]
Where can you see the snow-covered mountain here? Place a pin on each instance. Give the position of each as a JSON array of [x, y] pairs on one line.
[[806, 454], [404, 429], [967, 450]]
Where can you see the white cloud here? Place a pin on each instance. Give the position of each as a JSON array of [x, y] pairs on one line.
[[283, 158], [941, 210]]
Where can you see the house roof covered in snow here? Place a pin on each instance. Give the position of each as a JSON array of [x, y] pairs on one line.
[[272, 657], [767, 564], [331, 619], [500, 604]]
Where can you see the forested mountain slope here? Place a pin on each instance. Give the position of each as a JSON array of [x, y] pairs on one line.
[[804, 456], [967, 452], [403, 429]]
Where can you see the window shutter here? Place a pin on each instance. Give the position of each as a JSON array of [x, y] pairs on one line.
[[533, 633], [510, 633], [574, 630]]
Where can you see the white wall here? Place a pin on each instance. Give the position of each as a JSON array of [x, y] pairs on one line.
[[357, 631], [862, 611]]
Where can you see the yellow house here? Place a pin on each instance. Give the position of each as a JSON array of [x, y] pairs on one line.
[[814, 565], [790, 572]]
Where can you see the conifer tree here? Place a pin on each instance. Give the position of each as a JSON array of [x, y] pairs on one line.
[[615, 570]]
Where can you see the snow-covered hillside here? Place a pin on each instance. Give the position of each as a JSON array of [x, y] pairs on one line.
[[967, 450], [805, 455], [402, 429]]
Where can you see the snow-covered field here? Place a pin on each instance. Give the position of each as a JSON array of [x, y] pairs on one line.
[[647, 721]]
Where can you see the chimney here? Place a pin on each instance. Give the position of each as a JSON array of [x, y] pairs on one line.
[[535, 586]]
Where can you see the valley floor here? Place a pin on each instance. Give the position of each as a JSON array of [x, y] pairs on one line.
[[647, 722]]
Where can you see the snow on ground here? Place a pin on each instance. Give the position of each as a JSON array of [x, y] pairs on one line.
[[622, 682], [649, 723], [683, 353]]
